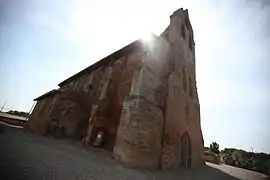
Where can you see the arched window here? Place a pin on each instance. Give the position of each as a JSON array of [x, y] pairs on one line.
[[185, 150]]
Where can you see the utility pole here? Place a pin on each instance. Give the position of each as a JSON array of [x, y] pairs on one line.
[[3, 106]]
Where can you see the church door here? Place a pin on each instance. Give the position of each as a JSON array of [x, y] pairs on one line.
[[185, 151]]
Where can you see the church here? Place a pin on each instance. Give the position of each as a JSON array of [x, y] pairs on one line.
[[141, 102]]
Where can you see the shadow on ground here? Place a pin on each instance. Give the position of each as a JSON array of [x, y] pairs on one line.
[[26, 156]]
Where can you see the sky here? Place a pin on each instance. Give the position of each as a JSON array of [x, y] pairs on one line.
[[44, 42]]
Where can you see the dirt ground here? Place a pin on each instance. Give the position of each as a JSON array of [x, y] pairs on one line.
[[31, 157]]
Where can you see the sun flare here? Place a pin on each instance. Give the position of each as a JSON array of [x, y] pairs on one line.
[[147, 37]]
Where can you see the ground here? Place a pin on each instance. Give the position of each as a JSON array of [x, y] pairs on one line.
[[31, 157]]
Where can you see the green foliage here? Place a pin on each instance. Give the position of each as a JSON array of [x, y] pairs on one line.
[[249, 160], [18, 113], [214, 147], [237, 155]]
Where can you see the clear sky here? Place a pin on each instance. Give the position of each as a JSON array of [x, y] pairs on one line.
[[44, 42]]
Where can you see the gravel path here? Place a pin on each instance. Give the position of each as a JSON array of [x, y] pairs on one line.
[[26, 156]]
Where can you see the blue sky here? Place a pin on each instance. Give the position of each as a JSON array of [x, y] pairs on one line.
[[45, 42]]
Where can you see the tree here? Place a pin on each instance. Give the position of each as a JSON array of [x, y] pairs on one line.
[[237, 155], [214, 147], [206, 149], [18, 113]]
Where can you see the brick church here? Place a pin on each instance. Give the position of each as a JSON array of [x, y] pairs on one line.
[[141, 101]]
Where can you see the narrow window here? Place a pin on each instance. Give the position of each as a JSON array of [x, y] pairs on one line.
[[184, 80], [190, 43], [183, 32], [185, 85], [190, 88], [86, 87], [187, 24], [186, 112]]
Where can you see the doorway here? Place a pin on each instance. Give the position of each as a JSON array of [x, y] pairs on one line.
[[185, 151]]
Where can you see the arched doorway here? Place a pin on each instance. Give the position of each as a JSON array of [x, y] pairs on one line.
[[185, 151]]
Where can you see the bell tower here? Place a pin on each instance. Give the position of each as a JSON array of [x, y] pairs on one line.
[[183, 141]]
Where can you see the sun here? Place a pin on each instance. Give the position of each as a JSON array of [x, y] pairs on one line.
[[147, 37]]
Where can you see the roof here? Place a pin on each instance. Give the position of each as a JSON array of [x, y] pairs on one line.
[[11, 116], [46, 94], [132, 47]]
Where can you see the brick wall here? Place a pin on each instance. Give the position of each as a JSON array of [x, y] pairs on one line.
[[116, 84], [38, 122], [138, 142]]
